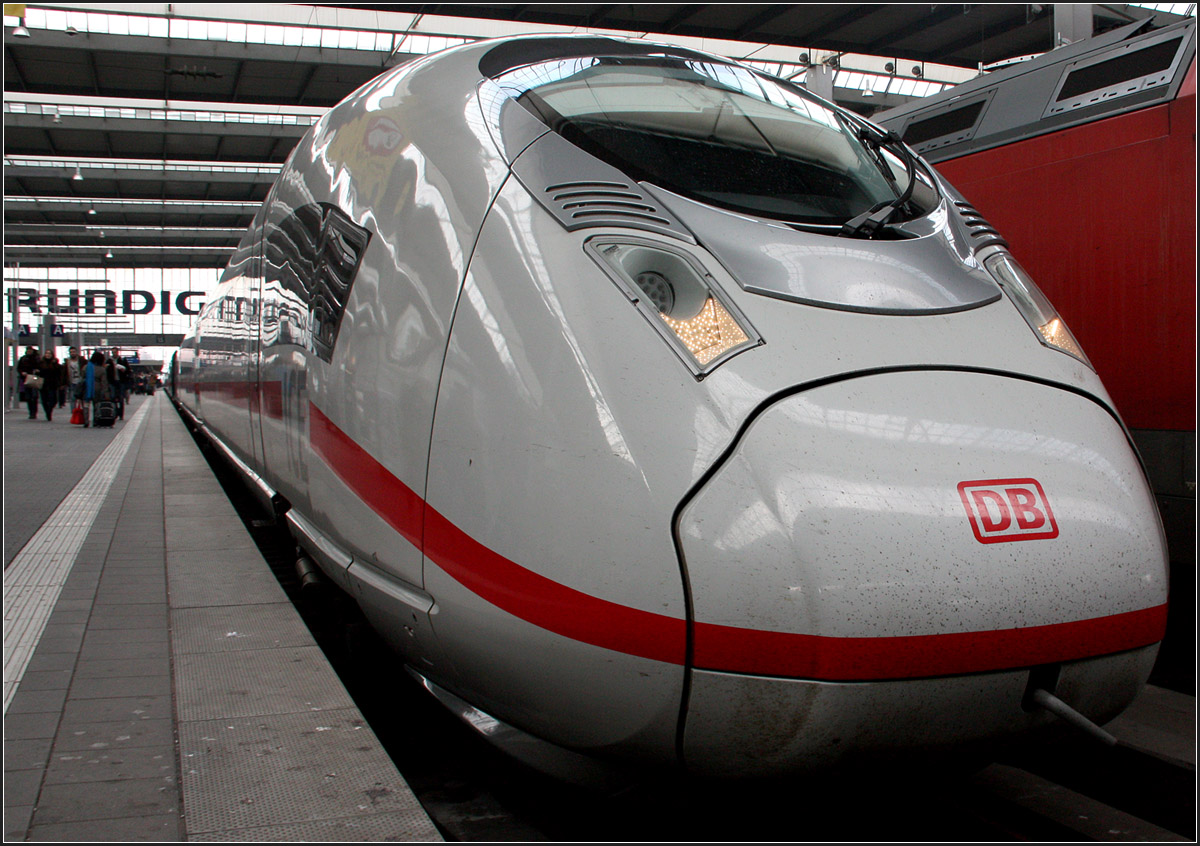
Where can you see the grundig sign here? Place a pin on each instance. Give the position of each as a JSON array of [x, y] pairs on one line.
[[101, 301]]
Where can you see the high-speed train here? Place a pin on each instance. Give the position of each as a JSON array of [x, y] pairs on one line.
[[658, 412]]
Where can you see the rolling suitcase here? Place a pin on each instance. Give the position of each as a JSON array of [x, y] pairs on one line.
[[105, 413]]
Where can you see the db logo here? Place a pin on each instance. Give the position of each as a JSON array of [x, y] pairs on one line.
[[1007, 510]]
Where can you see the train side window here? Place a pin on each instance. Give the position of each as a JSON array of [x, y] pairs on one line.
[[312, 257], [343, 244], [293, 248]]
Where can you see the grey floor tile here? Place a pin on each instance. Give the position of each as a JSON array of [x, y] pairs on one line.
[[137, 595], [26, 754], [68, 615], [16, 822], [265, 681], [237, 628], [73, 604], [111, 763], [194, 588], [388, 827], [109, 688], [101, 800], [42, 661], [293, 768], [64, 631], [102, 636], [156, 828], [124, 650], [37, 701], [54, 643], [46, 680], [21, 786], [140, 620], [118, 734], [116, 710], [29, 726], [122, 668]]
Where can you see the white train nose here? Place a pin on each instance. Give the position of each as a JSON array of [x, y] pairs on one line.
[[920, 525]]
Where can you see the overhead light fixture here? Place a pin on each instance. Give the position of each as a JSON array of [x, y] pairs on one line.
[[92, 210], [19, 31], [72, 31], [917, 71], [890, 67], [867, 92], [108, 254], [78, 177]]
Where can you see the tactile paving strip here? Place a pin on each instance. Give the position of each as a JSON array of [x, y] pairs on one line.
[[35, 578]]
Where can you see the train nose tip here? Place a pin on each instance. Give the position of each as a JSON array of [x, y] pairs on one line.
[[923, 524]]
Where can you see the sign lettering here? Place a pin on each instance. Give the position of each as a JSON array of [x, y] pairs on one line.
[[1002, 510]]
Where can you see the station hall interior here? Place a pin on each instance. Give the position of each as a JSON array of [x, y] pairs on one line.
[[142, 139]]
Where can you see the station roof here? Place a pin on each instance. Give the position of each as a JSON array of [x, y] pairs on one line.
[[966, 35], [143, 139]]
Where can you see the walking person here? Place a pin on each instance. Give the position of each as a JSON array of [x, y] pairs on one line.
[[27, 370], [113, 370], [50, 369], [124, 381], [74, 366], [96, 384]]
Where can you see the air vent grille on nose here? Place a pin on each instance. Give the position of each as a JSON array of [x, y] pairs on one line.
[[603, 203], [582, 192], [983, 234]]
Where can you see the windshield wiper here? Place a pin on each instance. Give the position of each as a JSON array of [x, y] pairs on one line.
[[868, 223]]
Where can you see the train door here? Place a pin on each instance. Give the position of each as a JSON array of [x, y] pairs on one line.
[[254, 359], [292, 233]]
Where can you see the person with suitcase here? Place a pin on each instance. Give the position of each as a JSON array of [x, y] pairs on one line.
[[99, 392]]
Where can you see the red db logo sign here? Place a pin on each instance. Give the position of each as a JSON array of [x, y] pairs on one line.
[[1007, 510]]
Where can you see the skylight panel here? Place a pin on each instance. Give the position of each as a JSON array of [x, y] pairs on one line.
[[1171, 8], [374, 40]]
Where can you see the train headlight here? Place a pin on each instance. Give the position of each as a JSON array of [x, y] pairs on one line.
[[1033, 305], [679, 298]]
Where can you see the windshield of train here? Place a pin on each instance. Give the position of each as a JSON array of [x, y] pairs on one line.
[[717, 133]]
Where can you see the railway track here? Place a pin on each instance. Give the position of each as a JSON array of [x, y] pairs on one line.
[[1144, 789]]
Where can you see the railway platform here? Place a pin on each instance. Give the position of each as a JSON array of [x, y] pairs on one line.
[[158, 683]]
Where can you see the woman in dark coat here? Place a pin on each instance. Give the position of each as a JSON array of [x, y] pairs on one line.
[[28, 366], [50, 369]]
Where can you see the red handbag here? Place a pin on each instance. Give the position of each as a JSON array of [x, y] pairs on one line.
[[77, 415]]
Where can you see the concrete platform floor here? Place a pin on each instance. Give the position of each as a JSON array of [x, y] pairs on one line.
[[158, 683]]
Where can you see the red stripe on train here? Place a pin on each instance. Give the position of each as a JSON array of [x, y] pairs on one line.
[[731, 649], [589, 619], [383, 493]]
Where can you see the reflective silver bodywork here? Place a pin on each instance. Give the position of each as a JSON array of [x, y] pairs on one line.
[[482, 439]]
